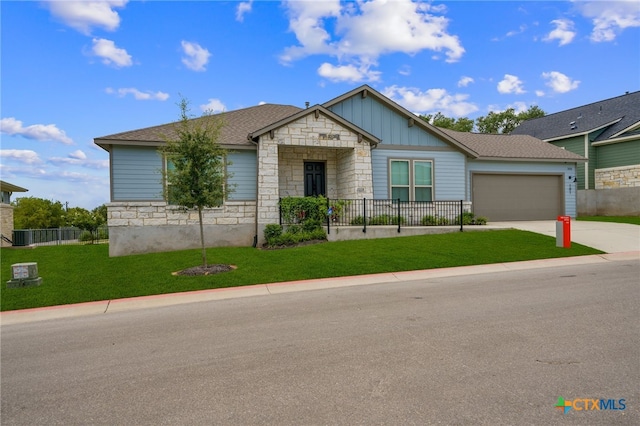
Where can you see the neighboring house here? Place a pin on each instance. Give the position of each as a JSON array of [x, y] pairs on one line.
[[607, 134], [359, 145], [6, 211]]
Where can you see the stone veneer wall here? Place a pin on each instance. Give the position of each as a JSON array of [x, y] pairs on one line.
[[6, 222], [148, 226], [618, 177], [281, 160]]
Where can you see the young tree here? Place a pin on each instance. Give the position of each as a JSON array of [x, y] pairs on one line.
[[195, 176]]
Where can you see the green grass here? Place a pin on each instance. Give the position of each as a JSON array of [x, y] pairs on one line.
[[634, 220], [83, 273]]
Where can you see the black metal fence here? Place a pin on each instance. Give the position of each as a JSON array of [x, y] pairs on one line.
[[58, 236], [377, 212]]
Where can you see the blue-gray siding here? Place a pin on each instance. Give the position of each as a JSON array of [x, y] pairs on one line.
[[448, 171], [386, 124], [136, 173]]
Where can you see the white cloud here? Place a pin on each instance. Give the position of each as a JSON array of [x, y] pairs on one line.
[[137, 94], [540, 93], [243, 8], [564, 32], [405, 70], [213, 106], [40, 132], [110, 54], [196, 57], [610, 18], [559, 82], [465, 81], [83, 15], [431, 101], [79, 158], [349, 73], [363, 31], [510, 84], [78, 154], [25, 156]]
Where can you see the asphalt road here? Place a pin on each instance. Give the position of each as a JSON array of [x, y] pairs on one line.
[[494, 349]]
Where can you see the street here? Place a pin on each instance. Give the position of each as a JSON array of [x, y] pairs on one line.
[[494, 349]]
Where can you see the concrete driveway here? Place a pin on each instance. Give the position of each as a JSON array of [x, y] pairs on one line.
[[606, 236]]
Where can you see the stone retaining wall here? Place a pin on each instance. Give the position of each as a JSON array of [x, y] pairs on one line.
[[618, 177]]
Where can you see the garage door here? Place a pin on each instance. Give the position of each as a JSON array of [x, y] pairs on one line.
[[517, 197]]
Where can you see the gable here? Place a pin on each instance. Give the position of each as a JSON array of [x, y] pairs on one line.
[[602, 120], [392, 123], [390, 126]]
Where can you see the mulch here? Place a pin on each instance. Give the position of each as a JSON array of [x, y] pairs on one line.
[[209, 270]]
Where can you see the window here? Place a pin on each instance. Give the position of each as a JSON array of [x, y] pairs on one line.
[[411, 180]]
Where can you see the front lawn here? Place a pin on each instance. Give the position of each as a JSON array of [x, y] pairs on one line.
[[83, 273], [634, 220]]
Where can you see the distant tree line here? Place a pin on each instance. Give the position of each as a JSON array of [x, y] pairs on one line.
[[38, 213], [495, 122]]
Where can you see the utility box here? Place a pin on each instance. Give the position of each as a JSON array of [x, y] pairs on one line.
[[563, 231], [24, 275]]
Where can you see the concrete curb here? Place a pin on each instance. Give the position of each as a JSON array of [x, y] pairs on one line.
[[142, 302]]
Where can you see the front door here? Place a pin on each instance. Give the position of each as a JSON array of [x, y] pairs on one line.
[[314, 179]]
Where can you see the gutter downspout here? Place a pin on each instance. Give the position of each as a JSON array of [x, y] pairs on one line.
[[255, 221], [586, 165]]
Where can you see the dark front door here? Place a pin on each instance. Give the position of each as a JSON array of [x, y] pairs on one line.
[[314, 179]]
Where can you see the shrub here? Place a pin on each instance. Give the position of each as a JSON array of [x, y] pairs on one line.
[[434, 221], [385, 219], [300, 209], [86, 236], [311, 225], [272, 232], [358, 220], [294, 234], [480, 220], [466, 217]]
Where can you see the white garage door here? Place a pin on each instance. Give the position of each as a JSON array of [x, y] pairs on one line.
[[517, 197]]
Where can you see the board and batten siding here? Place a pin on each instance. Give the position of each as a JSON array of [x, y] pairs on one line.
[[448, 172], [386, 124], [532, 168], [136, 173]]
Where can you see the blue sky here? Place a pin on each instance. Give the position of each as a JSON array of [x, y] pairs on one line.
[[75, 70]]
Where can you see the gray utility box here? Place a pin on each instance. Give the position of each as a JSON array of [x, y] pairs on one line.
[[24, 275]]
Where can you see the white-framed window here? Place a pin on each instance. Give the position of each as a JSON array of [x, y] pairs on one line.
[[171, 199], [411, 180]]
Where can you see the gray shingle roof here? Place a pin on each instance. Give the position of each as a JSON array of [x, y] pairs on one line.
[[516, 147], [617, 114], [237, 125]]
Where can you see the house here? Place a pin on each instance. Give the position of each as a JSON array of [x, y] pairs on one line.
[[6, 211], [607, 134], [360, 145]]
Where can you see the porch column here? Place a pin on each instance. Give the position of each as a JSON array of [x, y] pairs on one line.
[[268, 194]]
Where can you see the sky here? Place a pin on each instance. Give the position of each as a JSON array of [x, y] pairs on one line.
[[72, 71]]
